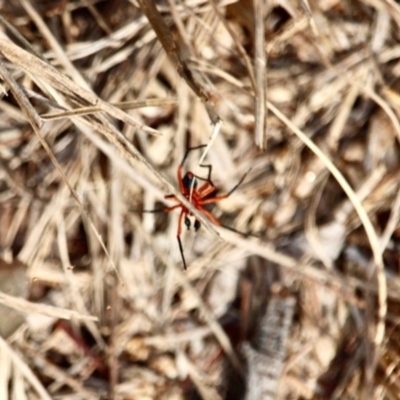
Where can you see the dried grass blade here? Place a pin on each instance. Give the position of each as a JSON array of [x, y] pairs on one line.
[[25, 370], [33, 117], [369, 229], [44, 309], [126, 105], [176, 54], [40, 69], [260, 67]]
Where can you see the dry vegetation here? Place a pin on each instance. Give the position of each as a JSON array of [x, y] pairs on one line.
[[300, 300]]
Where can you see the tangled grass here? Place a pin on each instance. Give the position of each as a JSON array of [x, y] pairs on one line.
[[100, 100]]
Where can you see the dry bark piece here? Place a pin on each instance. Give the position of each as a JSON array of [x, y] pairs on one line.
[[266, 361]]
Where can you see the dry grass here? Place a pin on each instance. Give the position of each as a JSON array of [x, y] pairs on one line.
[[100, 100]]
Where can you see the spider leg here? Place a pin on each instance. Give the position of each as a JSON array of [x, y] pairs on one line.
[[168, 209], [180, 168], [157, 210], [217, 222], [209, 215], [181, 251], [223, 196], [182, 186], [163, 210], [189, 150], [183, 213], [208, 179], [211, 200], [200, 178], [207, 189], [178, 236], [238, 184], [209, 167], [245, 234]]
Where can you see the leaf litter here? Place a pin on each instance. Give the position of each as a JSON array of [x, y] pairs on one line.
[[99, 102]]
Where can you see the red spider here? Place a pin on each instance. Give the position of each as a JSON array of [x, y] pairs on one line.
[[199, 197]]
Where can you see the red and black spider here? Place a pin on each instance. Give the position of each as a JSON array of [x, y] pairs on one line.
[[198, 196]]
